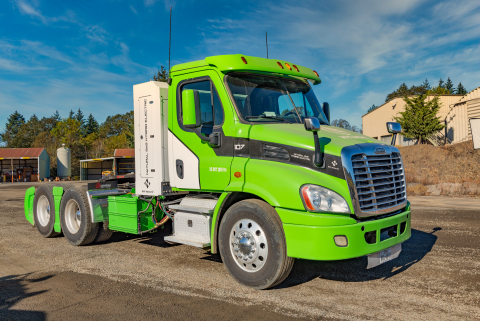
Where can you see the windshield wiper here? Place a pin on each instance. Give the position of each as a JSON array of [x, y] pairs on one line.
[[269, 117]]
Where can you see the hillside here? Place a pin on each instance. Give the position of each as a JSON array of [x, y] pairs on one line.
[[452, 170]]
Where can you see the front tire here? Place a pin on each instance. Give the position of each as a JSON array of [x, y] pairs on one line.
[[76, 219], [252, 245]]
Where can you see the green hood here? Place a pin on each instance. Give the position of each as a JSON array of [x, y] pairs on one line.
[[332, 139]]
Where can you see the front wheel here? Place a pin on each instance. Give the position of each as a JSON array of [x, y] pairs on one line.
[[252, 245]]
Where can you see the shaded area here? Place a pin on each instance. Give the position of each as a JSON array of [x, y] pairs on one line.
[[14, 289], [355, 270]]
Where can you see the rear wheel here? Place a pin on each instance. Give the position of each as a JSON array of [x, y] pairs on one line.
[[252, 245], [44, 211], [76, 219]]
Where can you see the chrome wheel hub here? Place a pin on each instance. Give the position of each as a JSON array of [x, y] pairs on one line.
[[73, 216], [43, 210], [249, 245]]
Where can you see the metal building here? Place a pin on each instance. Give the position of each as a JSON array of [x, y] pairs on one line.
[[24, 164], [123, 162], [374, 122]]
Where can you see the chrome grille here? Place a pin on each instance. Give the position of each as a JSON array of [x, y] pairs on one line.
[[379, 181]]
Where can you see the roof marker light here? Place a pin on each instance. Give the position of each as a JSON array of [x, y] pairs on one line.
[[288, 66], [278, 63], [244, 60], [316, 73], [296, 68]]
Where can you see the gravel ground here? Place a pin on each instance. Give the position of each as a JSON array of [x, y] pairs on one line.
[[437, 275]]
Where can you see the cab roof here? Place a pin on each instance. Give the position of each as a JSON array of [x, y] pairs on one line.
[[226, 63]]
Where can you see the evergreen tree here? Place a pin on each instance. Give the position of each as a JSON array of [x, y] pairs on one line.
[[56, 116], [426, 84], [79, 116], [461, 90], [71, 114], [162, 75], [12, 127], [91, 126], [371, 108], [440, 83], [419, 120], [449, 85]]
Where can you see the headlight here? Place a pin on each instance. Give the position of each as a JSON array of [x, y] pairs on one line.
[[321, 199]]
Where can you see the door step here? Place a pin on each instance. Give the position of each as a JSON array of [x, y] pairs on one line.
[[196, 205], [174, 239]]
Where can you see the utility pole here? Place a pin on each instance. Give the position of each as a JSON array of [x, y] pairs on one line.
[[266, 42]]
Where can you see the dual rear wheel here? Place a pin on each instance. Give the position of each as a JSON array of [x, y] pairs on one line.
[[75, 216]]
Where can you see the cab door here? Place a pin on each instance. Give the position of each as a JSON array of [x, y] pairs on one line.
[[195, 164]]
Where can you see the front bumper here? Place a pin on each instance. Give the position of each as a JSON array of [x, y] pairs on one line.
[[310, 236]]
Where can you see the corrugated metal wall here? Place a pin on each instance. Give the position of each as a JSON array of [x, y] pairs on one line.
[[457, 124], [473, 111]]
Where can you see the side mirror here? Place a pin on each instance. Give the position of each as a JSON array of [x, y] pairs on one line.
[[394, 128], [326, 110], [312, 124], [191, 108]]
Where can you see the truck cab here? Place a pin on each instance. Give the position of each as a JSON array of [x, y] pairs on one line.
[[238, 152]]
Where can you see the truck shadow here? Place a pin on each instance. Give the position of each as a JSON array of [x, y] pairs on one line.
[[13, 289], [355, 270]]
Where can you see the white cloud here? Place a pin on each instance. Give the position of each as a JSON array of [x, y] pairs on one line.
[[96, 33], [133, 9]]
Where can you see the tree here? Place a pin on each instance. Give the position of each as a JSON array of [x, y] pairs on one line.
[[426, 84], [57, 116], [372, 108], [13, 125], [438, 91], [403, 90], [440, 83], [129, 134], [116, 125], [449, 86], [91, 126], [71, 114], [342, 123], [79, 116], [461, 90], [419, 120], [162, 75]]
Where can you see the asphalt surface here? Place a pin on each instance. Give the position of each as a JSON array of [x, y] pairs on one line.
[[437, 275]]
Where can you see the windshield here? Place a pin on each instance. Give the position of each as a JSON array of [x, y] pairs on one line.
[[263, 99]]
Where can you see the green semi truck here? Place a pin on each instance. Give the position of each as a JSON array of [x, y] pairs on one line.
[[238, 155]]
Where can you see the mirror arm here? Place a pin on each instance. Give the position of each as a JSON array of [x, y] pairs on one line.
[[318, 160], [394, 137]]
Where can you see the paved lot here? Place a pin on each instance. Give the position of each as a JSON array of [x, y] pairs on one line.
[[437, 275]]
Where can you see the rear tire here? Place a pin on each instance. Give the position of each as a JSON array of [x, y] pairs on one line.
[[252, 245], [44, 211], [104, 233], [76, 219]]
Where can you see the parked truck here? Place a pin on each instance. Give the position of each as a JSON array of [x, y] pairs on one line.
[[238, 155]]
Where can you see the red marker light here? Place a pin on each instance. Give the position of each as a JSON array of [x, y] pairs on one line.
[[316, 73], [237, 174], [296, 68], [244, 60], [288, 66], [278, 63]]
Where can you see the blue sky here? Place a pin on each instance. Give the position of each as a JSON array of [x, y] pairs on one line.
[[87, 54]]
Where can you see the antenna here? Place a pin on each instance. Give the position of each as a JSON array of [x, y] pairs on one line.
[[266, 42], [170, 42]]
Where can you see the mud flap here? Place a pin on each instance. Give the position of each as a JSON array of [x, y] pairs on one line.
[[57, 198], [28, 204]]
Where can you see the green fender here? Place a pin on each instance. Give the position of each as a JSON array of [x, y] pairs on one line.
[[214, 227], [28, 204], [57, 198]]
